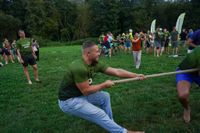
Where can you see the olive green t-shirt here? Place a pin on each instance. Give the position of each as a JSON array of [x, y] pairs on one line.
[[192, 60], [24, 45], [78, 71], [174, 35]]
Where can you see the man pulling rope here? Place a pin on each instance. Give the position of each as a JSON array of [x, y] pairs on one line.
[[184, 81]]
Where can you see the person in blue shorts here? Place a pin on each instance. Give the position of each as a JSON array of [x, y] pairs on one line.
[[184, 81], [128, 38]]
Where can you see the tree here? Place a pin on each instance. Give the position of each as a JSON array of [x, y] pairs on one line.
[[9, 25], [67, 20], [83, 21], [42, 19], [68, 14], [104, 16]]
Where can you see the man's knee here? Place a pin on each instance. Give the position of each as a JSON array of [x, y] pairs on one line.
[[183, 95], [25, 68], [35, 67], [183, 88], [106, 95]]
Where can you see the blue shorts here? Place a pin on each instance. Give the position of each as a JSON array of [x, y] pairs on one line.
[[128, 44], [174, 44], [157, 44], [188, 77]]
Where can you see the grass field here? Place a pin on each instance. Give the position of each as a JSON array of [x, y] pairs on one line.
[[149, 105]]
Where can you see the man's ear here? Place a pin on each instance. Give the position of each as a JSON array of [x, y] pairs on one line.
[[88, 53]]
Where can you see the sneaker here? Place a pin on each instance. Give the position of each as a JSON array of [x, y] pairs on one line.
[[137, 67], [29, 82], [38, 81], [1, 64], [175, 56]]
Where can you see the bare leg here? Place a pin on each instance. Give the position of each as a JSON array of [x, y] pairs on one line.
[[129, 50], [110, 52], [125, 49], [6, 59], [158, 52], [155, 51], [35, 70], [183, 88], [162, 50], [176, 51], [11, 58], [27, 74]]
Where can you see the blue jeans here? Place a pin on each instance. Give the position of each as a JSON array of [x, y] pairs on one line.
[[95, 107]]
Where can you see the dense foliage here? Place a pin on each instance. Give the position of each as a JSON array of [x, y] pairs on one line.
[[67, 20]]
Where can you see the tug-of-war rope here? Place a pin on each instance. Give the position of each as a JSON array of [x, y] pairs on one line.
[[156, 75]]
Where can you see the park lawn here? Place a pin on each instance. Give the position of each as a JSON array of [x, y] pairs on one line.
[[149, 105]]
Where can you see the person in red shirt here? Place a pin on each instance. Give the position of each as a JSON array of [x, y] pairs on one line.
[[137, 50]]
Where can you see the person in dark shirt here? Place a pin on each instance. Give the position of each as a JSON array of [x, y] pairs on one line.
[[183, 37]]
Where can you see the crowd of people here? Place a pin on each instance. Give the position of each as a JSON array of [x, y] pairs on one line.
[[162, 41], [8, 51]]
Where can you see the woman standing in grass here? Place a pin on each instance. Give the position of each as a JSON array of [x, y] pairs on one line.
[[7, 51]]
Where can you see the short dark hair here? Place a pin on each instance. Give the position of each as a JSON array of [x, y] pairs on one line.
[[88, 44]]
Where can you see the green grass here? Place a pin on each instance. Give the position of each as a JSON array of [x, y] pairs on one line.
[[149, 105]]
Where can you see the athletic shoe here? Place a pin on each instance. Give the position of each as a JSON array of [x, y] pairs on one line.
[[1, 64], [38, 81], [29, 82]]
